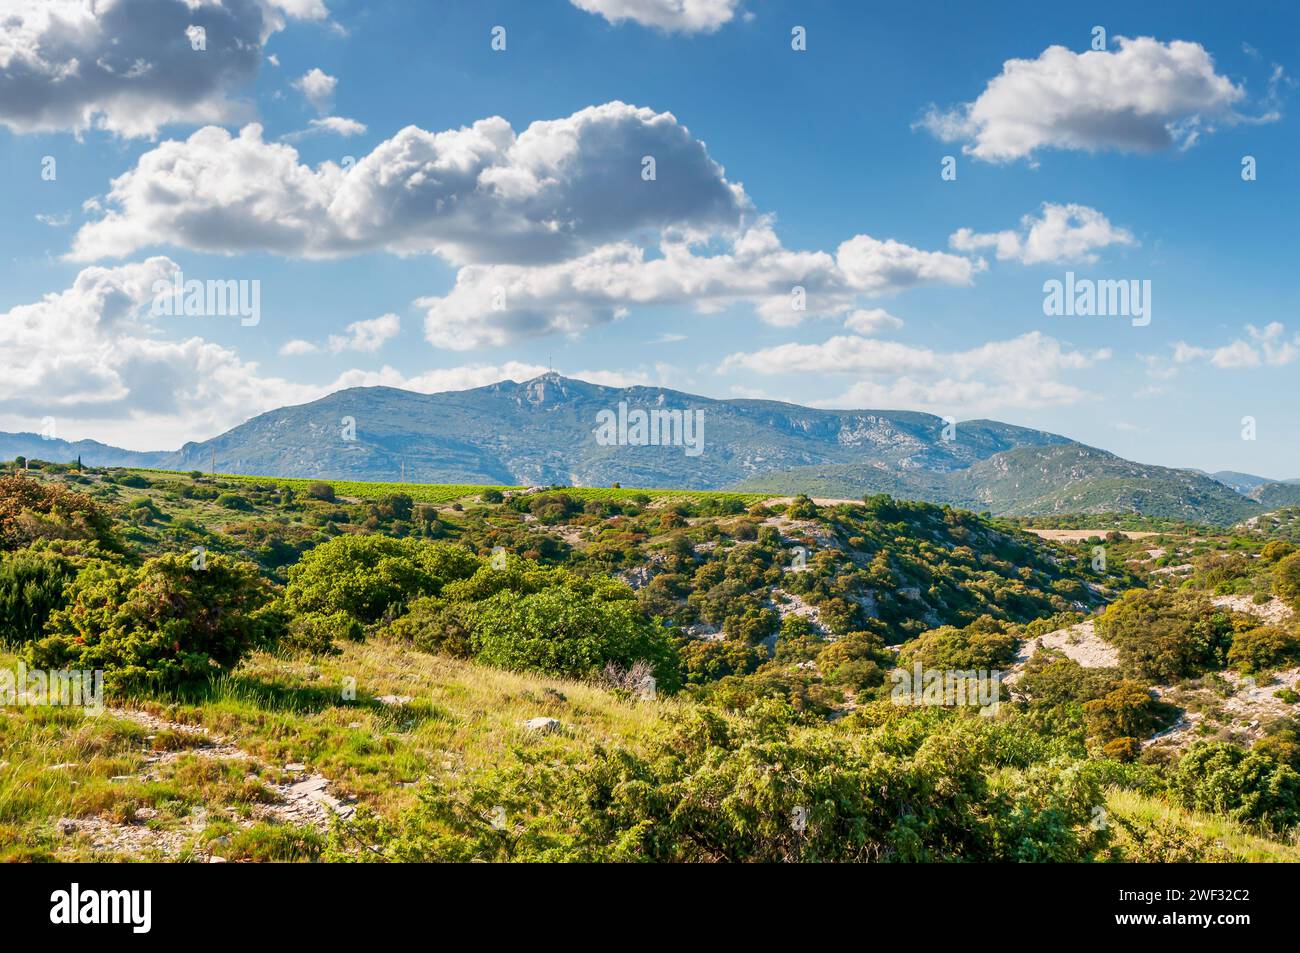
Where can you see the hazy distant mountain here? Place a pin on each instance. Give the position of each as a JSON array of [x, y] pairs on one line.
[[91, 452], [543, 431], [1068, 478], [548, 430], [1273, 495], [1241, 482]]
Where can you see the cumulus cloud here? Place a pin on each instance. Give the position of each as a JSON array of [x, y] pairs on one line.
[[95, 359], [130, 66], [1141, 96], [492, 305], [367, 336], [1021, 372], [681, 16], [317, 87], [333, 125], [555, 229], [870, 320], [1262, 347], [93, 354], [297, 347], [478, 193], [1060, 233]]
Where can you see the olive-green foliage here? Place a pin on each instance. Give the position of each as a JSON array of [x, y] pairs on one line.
[[571, 630], [159, 625], [1286, 580], [32, 585], [762, 787], [1249, 786], [371, 576], [545, 619], [1127, 711], [1264, 648], [984, 644], [320, 632], [1163, 636]]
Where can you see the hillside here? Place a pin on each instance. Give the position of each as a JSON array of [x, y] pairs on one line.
[[545, 432], [1070, 478], [466, 678], [542, 432]]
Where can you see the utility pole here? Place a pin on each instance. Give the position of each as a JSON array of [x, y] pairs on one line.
[[214, 461]]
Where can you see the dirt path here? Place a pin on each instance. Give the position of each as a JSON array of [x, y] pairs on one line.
[[304, 800]]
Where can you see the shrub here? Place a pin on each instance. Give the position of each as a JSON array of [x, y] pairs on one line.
[[160, 625], [1127, 711], [435, 625], [1247, 786], [571, 632], [1286, 580], [321, 491], [369, 577], [32, 584], [233, 501], [762, 787], [984, 644], [1163, 636], [32, 510], [1276, 550], [1264, 649], [318, 632]]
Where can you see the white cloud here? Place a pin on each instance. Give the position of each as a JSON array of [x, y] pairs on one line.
[[333, 125], [871, 320], [367, 336], [317, 87], [93, 358], [1262, 347], [1142, 96], [297, 347], [1023, 372], [683, 16], [479, 193], [553, 226], [1060, 233], [493, 305], [129, 66]]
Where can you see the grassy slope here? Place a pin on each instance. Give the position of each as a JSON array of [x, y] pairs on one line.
[[61, 763]]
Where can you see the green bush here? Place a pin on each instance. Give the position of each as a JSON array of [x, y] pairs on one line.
[[32, 510], [32, 585], [319, 632], [569, 631], [1264, 649], [763, 787], [370, 577], [160, 625], [984, 644], [1247, 786], [1163, 636], [321, 491], [1286, 580]]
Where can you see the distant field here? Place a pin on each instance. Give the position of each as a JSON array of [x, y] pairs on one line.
[[1077, 534], [447, 492]]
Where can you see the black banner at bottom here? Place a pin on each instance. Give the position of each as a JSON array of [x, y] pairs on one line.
[[143, 903]]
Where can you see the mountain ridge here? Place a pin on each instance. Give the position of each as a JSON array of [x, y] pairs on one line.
[[546, 431]]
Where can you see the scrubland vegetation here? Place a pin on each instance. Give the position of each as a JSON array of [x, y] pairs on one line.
[[471, 673]]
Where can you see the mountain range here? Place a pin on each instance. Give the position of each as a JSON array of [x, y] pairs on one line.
[[552, 430]]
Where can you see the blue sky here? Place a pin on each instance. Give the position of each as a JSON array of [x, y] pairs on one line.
[[377, 251]]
